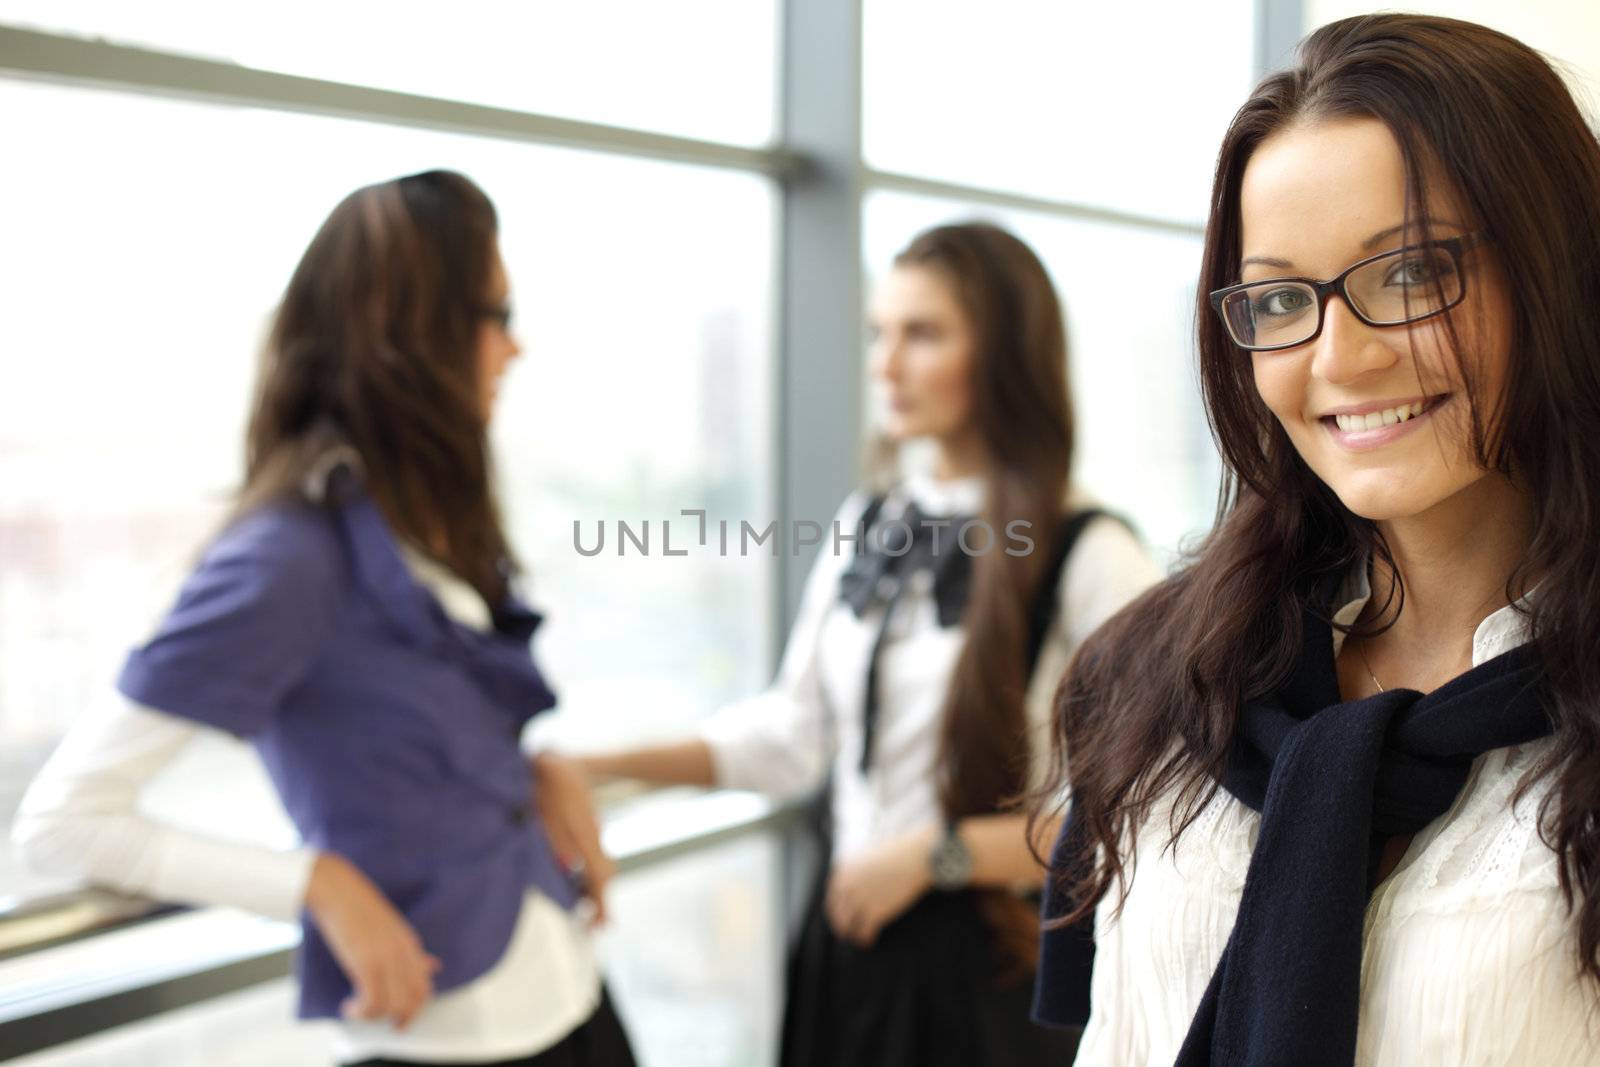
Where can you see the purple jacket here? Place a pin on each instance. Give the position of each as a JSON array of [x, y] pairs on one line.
[[390, 731]]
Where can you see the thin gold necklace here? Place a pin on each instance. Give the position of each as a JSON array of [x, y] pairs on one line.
[[1361, 650]]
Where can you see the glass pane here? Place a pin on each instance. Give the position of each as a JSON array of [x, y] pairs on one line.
[[254, 1027], [135, 298], [695, 956], [1143, 448], [1088, 103], [696, 68]]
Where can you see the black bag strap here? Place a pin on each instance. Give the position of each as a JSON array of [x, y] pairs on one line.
[[869, 515], [1046, 602]]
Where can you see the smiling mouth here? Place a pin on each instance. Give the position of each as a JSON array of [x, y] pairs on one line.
[[1377, 420]]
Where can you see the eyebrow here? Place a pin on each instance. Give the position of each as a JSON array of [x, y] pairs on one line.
[[1367, 246]]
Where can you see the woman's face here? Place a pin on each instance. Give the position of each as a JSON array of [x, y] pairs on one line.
[[497, 345], [1316, 198], [921, 356]]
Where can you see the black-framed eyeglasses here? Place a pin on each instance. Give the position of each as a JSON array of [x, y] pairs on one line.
[[499, 314], [1388, 289]]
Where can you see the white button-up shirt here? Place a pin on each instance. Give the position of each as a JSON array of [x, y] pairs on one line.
[[1467, 957], [784, 740]]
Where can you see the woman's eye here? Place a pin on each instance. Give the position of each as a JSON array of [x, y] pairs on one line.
[[1417, 270], [1281, 302]]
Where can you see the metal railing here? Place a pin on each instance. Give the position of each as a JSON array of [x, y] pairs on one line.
[[55, 988]]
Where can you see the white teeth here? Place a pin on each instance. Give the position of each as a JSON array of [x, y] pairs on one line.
[[1372, 420]]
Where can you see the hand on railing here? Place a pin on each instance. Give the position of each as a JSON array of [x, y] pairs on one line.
[[566, 807]]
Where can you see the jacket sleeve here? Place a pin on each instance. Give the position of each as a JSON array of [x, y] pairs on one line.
[[248, 624]]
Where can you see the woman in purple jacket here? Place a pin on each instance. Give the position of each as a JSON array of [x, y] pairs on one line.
[[356, 620]]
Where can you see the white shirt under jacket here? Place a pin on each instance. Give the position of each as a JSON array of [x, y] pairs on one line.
[[1468, 957], [784, 740]]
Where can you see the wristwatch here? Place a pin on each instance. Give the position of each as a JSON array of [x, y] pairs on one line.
[[949, 861]]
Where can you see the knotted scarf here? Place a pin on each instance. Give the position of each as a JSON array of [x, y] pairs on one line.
[[1332, 780]]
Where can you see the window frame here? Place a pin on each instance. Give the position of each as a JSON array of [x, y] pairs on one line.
[[817, 167]]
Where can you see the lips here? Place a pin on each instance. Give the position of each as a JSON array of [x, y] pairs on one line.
[[1374, 419], [1367, 427]]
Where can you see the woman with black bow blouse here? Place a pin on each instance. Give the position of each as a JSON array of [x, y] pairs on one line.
[[919, 671], [1334, 783]]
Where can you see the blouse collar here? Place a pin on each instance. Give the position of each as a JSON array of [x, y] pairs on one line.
[[321, 471], [946, 496], [1499, 632], [396, 574]]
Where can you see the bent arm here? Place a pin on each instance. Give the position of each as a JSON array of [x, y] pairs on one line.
[[674, 763], [1001, 856], [997, 844], [778, 741], [80, 819]]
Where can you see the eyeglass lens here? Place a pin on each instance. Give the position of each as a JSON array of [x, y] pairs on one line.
[[1410, 284]]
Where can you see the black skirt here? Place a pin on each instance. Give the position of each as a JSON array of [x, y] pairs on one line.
[[598, 1042], [926, 994]]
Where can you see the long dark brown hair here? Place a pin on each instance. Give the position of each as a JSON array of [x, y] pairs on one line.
[[1022, 413], [1148, 708], [374, 345]]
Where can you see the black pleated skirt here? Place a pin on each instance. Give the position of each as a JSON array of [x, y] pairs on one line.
[[926, 994], [598, 1042]]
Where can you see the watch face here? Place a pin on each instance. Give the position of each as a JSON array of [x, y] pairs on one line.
[[951, 863]]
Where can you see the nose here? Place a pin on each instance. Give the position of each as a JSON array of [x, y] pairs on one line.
[[884, 358], [1347, 347]]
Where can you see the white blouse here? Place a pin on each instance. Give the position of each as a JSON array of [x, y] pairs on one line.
[[80, 818], [1467, 957], [784, 740]]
